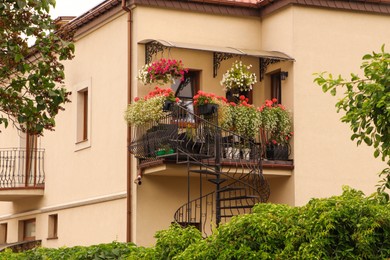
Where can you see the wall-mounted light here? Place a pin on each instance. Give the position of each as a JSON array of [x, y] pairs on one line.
[[283, 75]]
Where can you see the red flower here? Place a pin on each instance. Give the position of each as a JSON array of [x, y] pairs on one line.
[[136, 99], [242, 97], [275, 100]]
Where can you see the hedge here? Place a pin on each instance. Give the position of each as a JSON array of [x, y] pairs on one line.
[[350, 226]]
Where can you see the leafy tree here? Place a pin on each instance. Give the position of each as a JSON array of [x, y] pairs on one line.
[[31, 78], [366, 102]]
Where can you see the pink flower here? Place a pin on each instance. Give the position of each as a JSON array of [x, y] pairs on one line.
[[136, 99], [268, 103]]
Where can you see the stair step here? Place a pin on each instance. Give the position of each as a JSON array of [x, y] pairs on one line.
[[217, 181], [240, 197], [203, 172], [238, 207], [226, 189]]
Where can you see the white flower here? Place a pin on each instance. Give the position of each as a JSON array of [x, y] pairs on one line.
[[238, 77]]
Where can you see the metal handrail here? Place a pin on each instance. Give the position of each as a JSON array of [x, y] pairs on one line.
[[22, 168]]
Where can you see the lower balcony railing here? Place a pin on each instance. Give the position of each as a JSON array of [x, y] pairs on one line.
[[21, 168]]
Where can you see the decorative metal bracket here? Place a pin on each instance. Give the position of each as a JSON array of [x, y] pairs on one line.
[[264, 62], [218, 57], [152, 48]]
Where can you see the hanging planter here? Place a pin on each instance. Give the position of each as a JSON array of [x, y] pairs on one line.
[[238, 79], [162, 71]]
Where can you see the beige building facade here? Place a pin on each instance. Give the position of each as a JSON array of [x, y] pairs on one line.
[[78, 186]]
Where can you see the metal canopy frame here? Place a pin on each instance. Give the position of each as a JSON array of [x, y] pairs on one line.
[[153, 47]]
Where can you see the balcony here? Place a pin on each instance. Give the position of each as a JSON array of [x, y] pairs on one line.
[[183, 143], [21, 173]]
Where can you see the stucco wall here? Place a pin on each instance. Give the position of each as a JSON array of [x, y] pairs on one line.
[[325, 157], [74, 175]]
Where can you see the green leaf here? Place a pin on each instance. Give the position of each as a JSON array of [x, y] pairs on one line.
[[21, 3]]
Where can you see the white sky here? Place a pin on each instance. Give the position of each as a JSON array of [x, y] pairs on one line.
[[73, 7]]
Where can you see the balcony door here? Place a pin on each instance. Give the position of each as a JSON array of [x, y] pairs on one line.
[[186, 89], [27, 156]]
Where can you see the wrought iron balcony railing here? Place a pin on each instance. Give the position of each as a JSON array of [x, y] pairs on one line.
[[22, 168]]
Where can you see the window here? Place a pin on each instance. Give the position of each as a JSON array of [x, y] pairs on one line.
[[185, 90], [27, 230], [83, 116], [3, 233], [276, 87], [53, 226]]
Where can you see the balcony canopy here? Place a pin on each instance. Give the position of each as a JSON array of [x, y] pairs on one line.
[[220, 53]]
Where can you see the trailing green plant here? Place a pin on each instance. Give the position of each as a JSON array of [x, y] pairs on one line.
[[276, 122], [150, 107], [366, 104], [246, 118]]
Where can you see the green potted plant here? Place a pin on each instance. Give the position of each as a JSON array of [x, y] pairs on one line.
[[246, 118], [276, 129], [149, 108], [162, 71]]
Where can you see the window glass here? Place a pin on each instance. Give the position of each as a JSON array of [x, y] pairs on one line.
[[185, 90], [29, 229], [276, 87]]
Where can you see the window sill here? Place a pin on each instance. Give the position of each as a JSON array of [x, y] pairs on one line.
[[81, 145], [51, 238]]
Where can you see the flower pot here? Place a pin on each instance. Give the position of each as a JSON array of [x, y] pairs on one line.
[[246, 154], [170, 151], [160, 152], [228, 153], [207, 109], [235, 153], [233, 95], [277, 152], [168, 105]]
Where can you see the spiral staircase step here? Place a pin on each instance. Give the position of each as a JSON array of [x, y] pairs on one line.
[[217, 181], [240, 198], [238, 207], [204, 172]]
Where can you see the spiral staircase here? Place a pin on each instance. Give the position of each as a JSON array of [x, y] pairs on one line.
[[230, 163]]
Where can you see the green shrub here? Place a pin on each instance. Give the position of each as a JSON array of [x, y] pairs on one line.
[[175, 240], [110, 251], [350, 226]]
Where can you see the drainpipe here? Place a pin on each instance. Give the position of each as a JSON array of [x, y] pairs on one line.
[[128, 182]]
